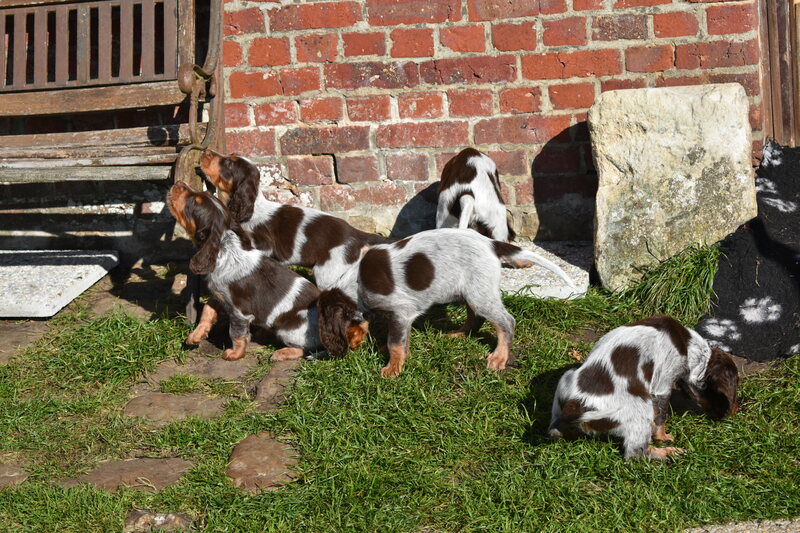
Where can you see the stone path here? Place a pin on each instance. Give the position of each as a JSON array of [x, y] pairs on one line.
[[261, 462], [18, 335], [141, 473], [11, 475], [161, 409], [145, 521]]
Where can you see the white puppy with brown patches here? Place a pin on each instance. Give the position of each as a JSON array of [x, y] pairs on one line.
[[469, 196], [624, 386], [405, 278]]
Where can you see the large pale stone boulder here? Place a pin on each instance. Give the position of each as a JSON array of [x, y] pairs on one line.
[[674, 168]]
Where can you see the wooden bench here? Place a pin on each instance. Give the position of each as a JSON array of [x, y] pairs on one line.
[[66, 57]]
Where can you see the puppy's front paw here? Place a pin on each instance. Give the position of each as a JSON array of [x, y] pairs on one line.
[[197, 336], [232, 355], [390, 371], [285, 354], [496, 361], [665, 453]]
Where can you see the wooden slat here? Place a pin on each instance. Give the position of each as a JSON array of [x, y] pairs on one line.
[[170, 39], [167, 135], [87, 153], [3, 50], [20, 51], [40, 47], [126, 41], [104, 42], [33, 175], [90, 99], [27, 3], [149, 159], [84, 43], [62, 45], [186, 31], [148, 40]]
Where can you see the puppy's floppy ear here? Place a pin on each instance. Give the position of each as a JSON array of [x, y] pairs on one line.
[[336, 312], [246, 177], [208, 239], [722, 380]]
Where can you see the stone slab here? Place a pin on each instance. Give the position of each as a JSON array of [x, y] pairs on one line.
[[205, 368], [574, 258], [39, 283], [261, 462], [272, 389], [11, 475], [145, 521], [161, 409], [151, 474], [674, 168], [18, 335]]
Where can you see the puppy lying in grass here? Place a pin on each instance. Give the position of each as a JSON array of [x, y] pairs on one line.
[[623, 387]]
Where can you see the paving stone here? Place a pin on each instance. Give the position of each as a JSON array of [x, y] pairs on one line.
[[260, 462], [149, 474], [753, 526], [161, 409], [205, 368], [272, 389], [18, 335], [145, 521], [11, 475]]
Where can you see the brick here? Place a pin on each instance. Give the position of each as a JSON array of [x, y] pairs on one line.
[[469, 70], [678, 24], [316, 48], [561, 32], [730, 19], [622, 4], [420, 105], [371, 74], [650, 58], [511, 163], [619, 27], [253, 84], [587, 5], [310, 169], [552, 7], [368, 108], [551, 188], [420, 134], [243, 21], [522, 129], [232, 55], [364, 44], [716, 54], [336, 198], [749, 80], [572, 95], [325, 140], [299, 80], [355, 168], [326, 108], [441, 160], [501, 9], [523, 192], [269, 52], [613, 85], [463, 38], [394, 12], [275, 113], [251, 142], [412, 42], [381, 194], [678, 81], [756, 116], [582, 63], [511, 37], [407, 166], [313, 16], [520, 100], [237, 115], [470, 103]]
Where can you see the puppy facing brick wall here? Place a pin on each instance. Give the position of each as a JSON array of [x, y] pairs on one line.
[[623, 387], [252, 287], [469, 196]]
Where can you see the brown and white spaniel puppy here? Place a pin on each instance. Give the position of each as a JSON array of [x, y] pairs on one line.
[[291, 235], [624, 386], [469, 196], [403, 279], [253, 288]]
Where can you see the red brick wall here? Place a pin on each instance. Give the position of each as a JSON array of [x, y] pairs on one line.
[[359, 104]]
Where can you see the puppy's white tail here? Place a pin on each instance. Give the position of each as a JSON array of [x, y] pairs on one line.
[[519, 258]]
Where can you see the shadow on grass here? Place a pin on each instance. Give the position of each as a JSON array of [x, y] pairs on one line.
[[538, 403]]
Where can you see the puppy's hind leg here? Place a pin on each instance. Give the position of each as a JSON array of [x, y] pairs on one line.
[[660, 407], [504, 325], [472, 324], [240, 335]]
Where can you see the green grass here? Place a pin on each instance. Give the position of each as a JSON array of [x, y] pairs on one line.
[[447, 446]]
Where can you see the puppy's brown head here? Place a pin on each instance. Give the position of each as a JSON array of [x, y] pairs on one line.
[[235, 176], [718, 398], [204, 218], [341, 325]]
